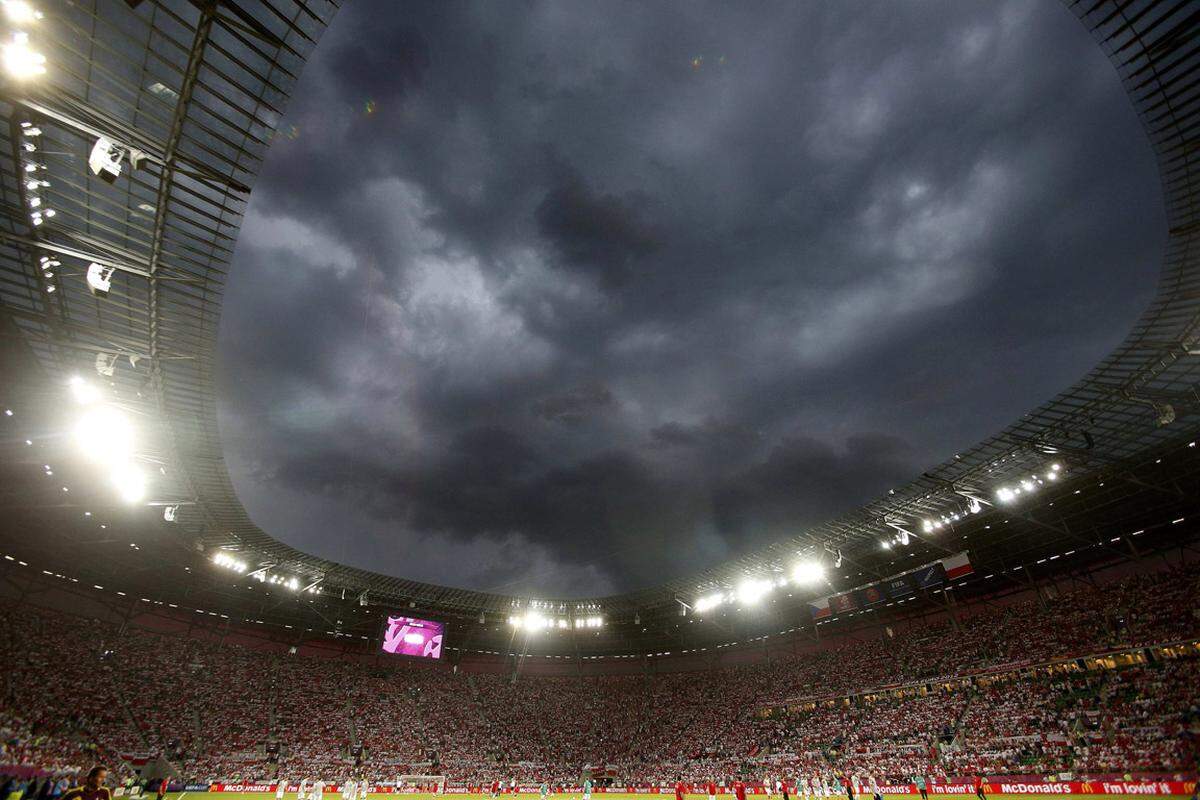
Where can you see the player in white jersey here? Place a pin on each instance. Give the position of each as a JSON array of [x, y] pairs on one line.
[[303, 793], [348, 789], [318, 790], [280, 788]]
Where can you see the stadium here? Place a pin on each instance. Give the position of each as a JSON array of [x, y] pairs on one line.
[[1021, 618]]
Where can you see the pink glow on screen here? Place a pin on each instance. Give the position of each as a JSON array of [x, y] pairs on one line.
[[409, 636]]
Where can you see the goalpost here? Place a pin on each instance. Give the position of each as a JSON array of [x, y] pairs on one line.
[[434, 783]]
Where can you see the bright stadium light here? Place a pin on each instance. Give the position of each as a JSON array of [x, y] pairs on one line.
[[709, 602], [20, 60], [104, 434], [21, 12], [83, 392], [807, 573], [129, 482], [1005, 494], [751, 590]]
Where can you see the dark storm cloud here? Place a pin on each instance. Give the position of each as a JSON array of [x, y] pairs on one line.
[[593, 232], [566, 298], [575, 405]]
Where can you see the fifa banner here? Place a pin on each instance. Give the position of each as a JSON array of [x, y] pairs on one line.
[[896, 587]]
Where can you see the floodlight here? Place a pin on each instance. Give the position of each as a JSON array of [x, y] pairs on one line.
[[99, 279], [927, 526], [129, 482], [751, 590], [1005, 495], [83, 392], [885, 544], [808, 572], [21, 61], [709, 601], [104, 434], [21, 12], [105, 159]]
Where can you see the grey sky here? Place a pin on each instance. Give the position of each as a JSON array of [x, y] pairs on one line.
[[602, 293]]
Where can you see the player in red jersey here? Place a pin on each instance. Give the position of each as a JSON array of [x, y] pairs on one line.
[[681, 789], [93, 787], [979, 787], [739, 789], [495, 789], [712, 790]]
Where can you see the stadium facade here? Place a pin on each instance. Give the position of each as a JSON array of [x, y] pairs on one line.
[[128, 158]]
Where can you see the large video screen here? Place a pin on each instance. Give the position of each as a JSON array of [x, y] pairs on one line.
[[409, 636]]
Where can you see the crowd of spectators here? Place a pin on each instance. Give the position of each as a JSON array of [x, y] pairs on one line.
[[224, 712]]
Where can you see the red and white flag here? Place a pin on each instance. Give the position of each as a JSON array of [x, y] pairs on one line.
[[957, 566]]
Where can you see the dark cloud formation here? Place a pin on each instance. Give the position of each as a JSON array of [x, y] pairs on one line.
[[568, 298]]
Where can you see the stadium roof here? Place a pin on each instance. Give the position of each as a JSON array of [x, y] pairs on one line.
[[194, 93]]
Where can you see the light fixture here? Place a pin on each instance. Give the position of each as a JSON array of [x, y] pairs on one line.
[[99, 279], [708, 602], [105, 159], [83, 392], [751, 590], [21, 12], [106, 364], [1165, 414], [808, 572], [20, 60], [129, 482], [104, 434]]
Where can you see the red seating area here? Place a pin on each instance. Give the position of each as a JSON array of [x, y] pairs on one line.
[[230, 713]]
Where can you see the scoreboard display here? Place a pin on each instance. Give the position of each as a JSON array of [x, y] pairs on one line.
[[409, 636]]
